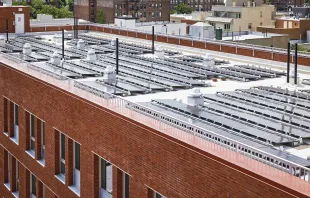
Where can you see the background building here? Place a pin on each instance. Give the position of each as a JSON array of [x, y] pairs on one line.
[[198, 5], [144, 10], [241, 15]]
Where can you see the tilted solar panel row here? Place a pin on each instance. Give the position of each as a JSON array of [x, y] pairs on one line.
[[257, 109]]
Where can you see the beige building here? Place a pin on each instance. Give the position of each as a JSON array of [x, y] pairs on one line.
[[242, 15]]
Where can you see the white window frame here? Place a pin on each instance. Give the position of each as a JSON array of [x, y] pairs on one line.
[[124, 185], [76, 174], [42, 140], [104, 193], [32, 151], [16, 124]]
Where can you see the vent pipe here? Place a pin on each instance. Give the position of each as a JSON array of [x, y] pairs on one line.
[[7, 30], [296, 57], [288, 62], [116, 55], [63, 44], [153, 47]]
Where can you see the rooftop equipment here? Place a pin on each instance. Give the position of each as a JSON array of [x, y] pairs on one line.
[[195, 97], [27, 49]]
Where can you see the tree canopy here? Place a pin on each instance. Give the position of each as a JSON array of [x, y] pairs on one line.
[[100, 17], [40, 7], [182, 8]]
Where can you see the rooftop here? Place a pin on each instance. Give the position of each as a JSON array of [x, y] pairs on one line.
[[237, 104]]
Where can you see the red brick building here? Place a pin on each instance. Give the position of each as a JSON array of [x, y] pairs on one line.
[[147, 10], [53, 133]]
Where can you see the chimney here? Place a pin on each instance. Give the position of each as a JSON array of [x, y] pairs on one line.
[[195, 97]]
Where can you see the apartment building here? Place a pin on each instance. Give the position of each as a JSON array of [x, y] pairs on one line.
[[145, 10], [241, 15], [67, 132], [197, 5], [283, 5]]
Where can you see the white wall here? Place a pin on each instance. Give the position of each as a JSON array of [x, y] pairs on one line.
[[173, 28], [125, 23], [308, 36], [201, 31]]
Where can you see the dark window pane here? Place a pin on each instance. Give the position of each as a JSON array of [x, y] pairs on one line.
[[31, 144], [16, 114], [77, 156], [126, 186], [33, 184], [62, 168], [43, 133], [63, 146], [103, 174], [32, 125]]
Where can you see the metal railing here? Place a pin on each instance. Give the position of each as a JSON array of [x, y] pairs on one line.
[[161, 122], [206, 40]]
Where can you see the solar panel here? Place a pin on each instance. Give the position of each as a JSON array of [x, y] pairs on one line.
[[259, 121], [223, 121], [284, 92], [259, 110], [275, 97], [229, 134]]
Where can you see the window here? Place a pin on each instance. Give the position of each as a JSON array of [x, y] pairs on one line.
[[76, 170], [250, 26], [227, 26], [125, 185], [261, 14], [17, 176], [157, 195], [42, 140], [261, 23], [32, 135], [5, 116], [33, 188], [9, 167], [105, 174], [16, 114], [62, 154]]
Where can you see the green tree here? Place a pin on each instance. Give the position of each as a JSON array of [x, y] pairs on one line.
[[69, 4], [182, 8], [100, 17], [268, 2]]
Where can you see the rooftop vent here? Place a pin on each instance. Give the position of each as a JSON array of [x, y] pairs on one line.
[[91, 55], [195, 97], [159, 52], [208, 60], [81, 44], [55, 58], [27, 50], [109, 74]]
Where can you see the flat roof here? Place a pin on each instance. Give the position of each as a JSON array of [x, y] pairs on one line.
[[143, 79]]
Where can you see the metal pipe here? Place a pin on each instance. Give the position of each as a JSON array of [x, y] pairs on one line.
[[63, 44], [116, 55], [7, 30], [153, 37], [288, 62], [296, 46]]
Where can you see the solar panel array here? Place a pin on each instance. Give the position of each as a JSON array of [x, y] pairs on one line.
[[261, 117]]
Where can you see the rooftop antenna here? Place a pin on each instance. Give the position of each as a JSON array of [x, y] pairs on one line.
[[7, 30], [63, 44], [153, 40], [296, 46], [116, 43], [288, 62]]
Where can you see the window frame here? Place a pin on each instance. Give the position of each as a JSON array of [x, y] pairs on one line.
[[62, 139]]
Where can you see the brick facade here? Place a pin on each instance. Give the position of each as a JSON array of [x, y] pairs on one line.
[[152, 159]]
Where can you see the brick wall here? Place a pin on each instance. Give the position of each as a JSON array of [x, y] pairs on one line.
[[8, 13], [152, 159]]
